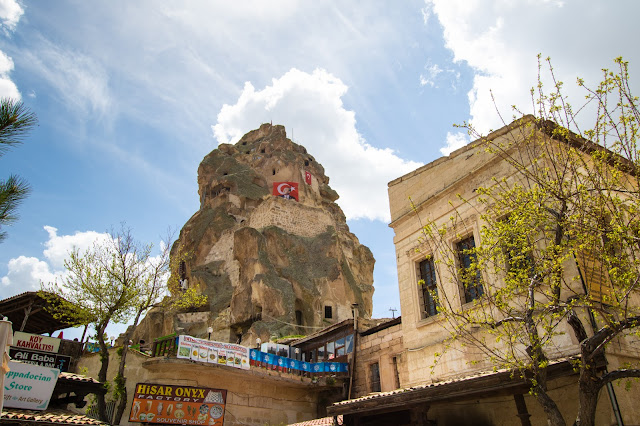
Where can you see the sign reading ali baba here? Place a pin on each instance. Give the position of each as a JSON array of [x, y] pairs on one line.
[[29, 386], [45, 359], [172, 404]]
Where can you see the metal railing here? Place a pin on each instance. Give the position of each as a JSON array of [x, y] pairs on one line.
[[165, 346]]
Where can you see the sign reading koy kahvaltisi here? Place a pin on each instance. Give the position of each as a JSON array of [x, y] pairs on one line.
[[174, 404], [29, 386], [36, 342]]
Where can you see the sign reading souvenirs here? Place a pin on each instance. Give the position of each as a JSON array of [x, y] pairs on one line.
[[172, 404], [29, 386], [212, 352], [36, 342], [61, 362], [288, 190]]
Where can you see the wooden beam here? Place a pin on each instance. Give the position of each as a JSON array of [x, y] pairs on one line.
[[27, 312], [523, 413]]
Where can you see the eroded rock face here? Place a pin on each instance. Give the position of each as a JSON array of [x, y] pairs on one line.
[[269, 265]]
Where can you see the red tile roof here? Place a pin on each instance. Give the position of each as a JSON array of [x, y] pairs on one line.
[[47, 417], [77, 378], [325, 421]]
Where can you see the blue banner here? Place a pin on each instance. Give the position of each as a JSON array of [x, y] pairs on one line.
[[271, 361], [293, 364]]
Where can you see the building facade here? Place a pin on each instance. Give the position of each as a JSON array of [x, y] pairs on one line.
[[447, 383]]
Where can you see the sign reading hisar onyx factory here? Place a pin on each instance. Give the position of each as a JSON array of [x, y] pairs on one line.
[[173, 404], [29, 386], [35, 342]]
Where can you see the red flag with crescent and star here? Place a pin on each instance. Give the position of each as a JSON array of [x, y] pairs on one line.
[[287, 190], [307, 177]]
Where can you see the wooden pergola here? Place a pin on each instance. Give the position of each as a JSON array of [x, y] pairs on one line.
[[28, 313]]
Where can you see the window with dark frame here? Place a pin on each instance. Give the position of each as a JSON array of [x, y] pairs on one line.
[[517, 253], [428, 288], [396, 373], [472, 280], [328, 312], [374, 370]]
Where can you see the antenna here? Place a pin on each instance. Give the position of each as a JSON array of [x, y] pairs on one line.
[[393, 312]]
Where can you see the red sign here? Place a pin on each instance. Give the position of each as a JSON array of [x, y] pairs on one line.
[[288, 190], [172, 404]]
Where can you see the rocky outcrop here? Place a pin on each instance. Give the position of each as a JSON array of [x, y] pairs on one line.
[[269, 265]]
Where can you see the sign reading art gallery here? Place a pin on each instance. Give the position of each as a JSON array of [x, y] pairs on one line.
[[29, 386], [35, 342], [172, 404]]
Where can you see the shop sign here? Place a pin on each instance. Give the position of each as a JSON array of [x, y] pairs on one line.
[[174, 404], [61, 362], [35, 341], [29, 386], [220, 353]]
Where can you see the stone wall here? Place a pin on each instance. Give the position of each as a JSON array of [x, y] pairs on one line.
[[255, 397], [291, 216], [381, 347]]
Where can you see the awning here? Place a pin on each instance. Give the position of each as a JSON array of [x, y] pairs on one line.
[[481, 385]]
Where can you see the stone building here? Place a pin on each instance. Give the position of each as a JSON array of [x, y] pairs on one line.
[[463, 387]]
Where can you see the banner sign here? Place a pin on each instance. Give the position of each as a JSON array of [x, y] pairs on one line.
[[287, 190], [29, 386], [280, 363], [61, 362], [36, 342], [174, 404], [220, 353]]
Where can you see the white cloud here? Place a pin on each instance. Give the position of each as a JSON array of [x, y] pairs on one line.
[[7, 87], [10, 13], [311, 109], [454, 141], [500, 40], [26, 273], [432, 73], [80, 80], [59, 247]]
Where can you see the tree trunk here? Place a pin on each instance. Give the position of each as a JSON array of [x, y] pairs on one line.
[[102, 375], [122, 402], [554, 416], [587, 408], [589, 387]]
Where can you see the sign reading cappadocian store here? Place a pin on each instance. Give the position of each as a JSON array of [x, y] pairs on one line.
[[172, 404]]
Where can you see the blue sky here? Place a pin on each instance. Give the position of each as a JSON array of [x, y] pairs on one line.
[[131, 96]]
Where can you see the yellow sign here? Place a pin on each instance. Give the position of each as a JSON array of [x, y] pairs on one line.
[[170, 404]]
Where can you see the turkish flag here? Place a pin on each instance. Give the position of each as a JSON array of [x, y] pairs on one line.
[[287, 190], [307, 177]]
